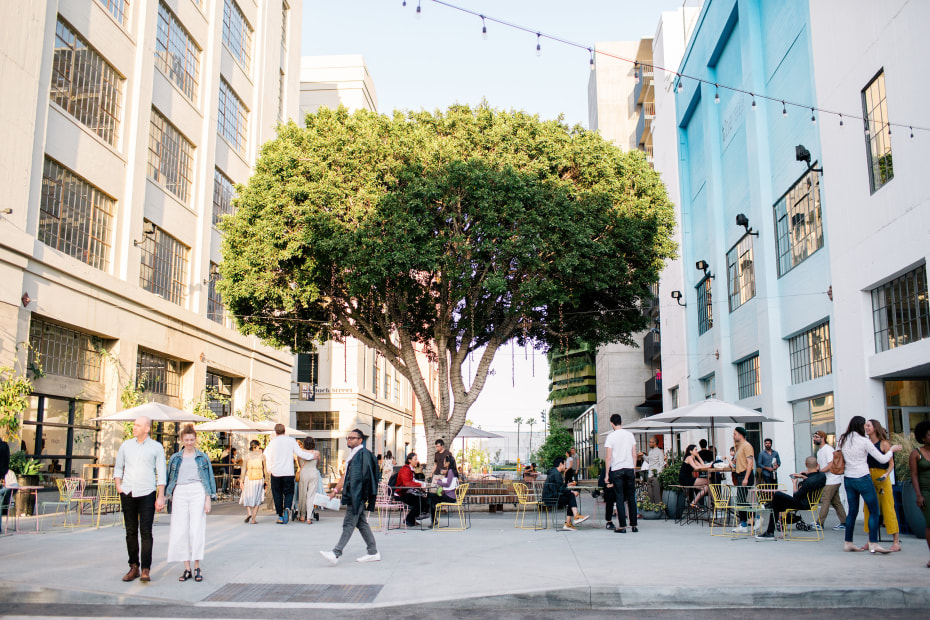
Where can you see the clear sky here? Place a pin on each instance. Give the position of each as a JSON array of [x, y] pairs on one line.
[[440, 58]]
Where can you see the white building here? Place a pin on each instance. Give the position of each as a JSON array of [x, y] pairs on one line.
[[333, 80], [126, 125]]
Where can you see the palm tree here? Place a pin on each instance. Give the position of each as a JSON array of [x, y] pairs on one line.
[[518, 422], [531, 422]]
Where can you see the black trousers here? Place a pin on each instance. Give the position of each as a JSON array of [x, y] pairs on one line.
[[568, 501], [781, 501], [282, 490], [624, 481], [418, 505], [438, 499], [610, 500], [139, 515]]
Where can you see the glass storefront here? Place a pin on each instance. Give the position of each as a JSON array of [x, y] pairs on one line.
[[908, 403], [810, 416], [58, 433]]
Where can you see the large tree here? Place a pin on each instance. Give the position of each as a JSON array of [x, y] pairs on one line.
[[446, 233]]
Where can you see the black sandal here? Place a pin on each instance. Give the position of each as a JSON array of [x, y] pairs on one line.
[[197, 575], [185, 575]]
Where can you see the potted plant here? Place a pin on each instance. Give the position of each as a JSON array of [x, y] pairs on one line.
[[913, 517], [27, 475], [671, 497], [594, 469], [650, 510]]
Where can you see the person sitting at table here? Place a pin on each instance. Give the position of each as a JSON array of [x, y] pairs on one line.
[[689, 474], [447, 482], [409, 492], [805, 484], [556, 493]]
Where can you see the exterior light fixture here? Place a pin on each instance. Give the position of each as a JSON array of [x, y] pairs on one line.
[[148, 230], [702, 265], [802, 154], [742, 220], [676, 295]]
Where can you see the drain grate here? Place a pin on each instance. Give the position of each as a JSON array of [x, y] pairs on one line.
[[294, 593]]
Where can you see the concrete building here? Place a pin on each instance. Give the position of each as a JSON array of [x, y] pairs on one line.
[[333, 80], [126, 126]]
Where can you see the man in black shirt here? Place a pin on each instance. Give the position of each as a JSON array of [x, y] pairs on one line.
[[440, 457], [806, 484]]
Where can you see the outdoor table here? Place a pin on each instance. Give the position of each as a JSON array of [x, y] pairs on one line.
[[426, 487], [35, 492]]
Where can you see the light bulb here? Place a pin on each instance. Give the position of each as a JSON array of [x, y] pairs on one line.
[[680, 85], [784, 110], [538, 46], [813, 118], [753, 103], [889, 129], [912, 132], [841, 120], [716, 94], [419, 11], [591, 62], [484, 29]]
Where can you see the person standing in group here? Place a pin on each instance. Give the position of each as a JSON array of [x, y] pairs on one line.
[[831, 495], [387, 465], [439, 459], [279, 456], [253, 481], [881, 479], [743, 477], [920, 473], [191, 487], [856, 448], [359, 488], [310, 484], [769, 462], [139, 474], [656, 463], [621, 463], [570, 462]]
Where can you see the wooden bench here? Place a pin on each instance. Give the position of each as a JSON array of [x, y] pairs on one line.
[[492, 493]]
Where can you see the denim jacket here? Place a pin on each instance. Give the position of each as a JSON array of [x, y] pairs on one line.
[[203, 468]]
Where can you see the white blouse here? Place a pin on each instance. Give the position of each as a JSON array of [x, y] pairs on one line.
[[855, 450]]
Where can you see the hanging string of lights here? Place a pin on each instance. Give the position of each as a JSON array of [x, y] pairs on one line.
[[679, 77]]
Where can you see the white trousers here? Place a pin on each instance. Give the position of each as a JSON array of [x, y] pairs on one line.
[[188, 531]]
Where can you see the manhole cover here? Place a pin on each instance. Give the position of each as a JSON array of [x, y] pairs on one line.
[[294, 593]]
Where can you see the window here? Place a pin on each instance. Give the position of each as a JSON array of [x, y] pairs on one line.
[[281, 96], [740, 273], [397, 389], [810, 416], [318, 421], [58, 433], [900, 313], [219, 394], [75, 217], [216, 312], [748, 377], [158, 375], [376, 374], [237, 34], [62, 351], [308, 368], [175, 52], [233, 117], [84, 84], [673, 396], [306, 391], [798, 224], [877, 132], [119, 9], [811, 355], [387, 383], [709, 384], [705, 306], [223, 193], [171, 157], [164, 267]]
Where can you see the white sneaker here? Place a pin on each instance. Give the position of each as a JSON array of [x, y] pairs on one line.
[[370, 558], [740, 529], [331, 557], [839, 526], [581, 519]]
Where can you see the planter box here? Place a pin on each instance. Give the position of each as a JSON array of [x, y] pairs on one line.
[[913, 514], [651, 515]]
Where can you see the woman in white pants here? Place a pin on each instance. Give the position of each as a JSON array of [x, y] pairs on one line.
[[191, 487]]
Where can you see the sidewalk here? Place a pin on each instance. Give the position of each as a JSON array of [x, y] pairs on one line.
[[490, 565]]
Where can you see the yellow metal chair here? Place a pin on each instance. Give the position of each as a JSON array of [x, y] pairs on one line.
[[460, 492], [64, 498], [762, 501], [791, 533], [523, 500], [722, 509], [107, 499]]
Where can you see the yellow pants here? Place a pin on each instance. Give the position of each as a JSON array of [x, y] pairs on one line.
[[885, 501]]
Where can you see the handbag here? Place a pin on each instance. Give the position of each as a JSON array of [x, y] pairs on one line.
[[838, 466]]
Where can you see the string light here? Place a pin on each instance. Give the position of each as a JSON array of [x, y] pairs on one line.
[[866, 127], [841, 120], [404, 3], [784, 110], [716, 94], [484, 29], [538, 46], [753, 103], [419, 11], [889, 129], [813, 118], [680, 85], [912, 132], [592, 60]]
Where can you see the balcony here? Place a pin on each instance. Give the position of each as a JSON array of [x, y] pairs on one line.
[[652, 347], [643, 129], [653, 388], [649, 109], [644, 86]]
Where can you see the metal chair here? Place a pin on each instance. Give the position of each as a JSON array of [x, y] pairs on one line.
[[460, 492], [107, 498], [385, 504], [720, 493], [523, 500], [791, 533]]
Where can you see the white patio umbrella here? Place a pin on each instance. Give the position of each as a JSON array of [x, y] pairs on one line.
[[290, 432], [232, 424], [156, 412], [713, 412], [470, 432]]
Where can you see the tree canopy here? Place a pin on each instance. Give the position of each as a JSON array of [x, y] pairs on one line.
[[446, 233]]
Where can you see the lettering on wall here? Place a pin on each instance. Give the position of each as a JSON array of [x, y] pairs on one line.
[[732, 119]]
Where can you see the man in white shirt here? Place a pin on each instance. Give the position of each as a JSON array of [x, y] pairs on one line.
[[279, 458], [831, 495], [139, 474], [621, 471]]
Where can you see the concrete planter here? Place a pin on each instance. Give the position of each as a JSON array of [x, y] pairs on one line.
[[674, 503], [913, 514], [651, 515]]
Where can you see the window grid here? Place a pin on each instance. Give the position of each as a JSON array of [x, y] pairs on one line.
[[223, 193], [281, 96], [84, 84], [749, 379], [324, 421], [307, 391], [75, 217], [811, 355], [164, 267], [176, 54], [705, 306], [232, 121], [119, 9], [798, 223], [878, 133], [216, 311], [900, 312], [710, 387], [171, 157], [62, 351], [741, 277], [237, 33], [376, 374], [397, 390], [159, 374], [219, 391]]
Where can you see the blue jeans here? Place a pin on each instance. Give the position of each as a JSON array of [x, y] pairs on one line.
[[854, 488]]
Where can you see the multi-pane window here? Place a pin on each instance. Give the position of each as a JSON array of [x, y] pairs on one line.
[[376, 374], [75, 217], [280, 95], [216, 312], [219, 394], [748, 377], [308, 368], [397, 390], [709, 384], [164, 266], [223, 192], [900, 313], [798, 223], [176, 54], [159, 374], [877, 132], [324, 421], [811, 354], [171, 157], [741, 279], [119, 9], [84, 84], [62, 351], [673, 396], [705, 308], [232, 121], [237, 33]]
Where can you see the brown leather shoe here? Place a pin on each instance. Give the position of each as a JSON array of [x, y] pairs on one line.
[[145, 576], [133, 573]]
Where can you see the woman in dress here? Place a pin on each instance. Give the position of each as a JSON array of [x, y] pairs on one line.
[[881, 479], [387, 466], [689, 467], [253, 481], [920, 473], [309, 483], [191, 487], [856, 448]]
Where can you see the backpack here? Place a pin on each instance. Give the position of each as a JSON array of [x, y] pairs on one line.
[[838, 466], [392, 481]]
